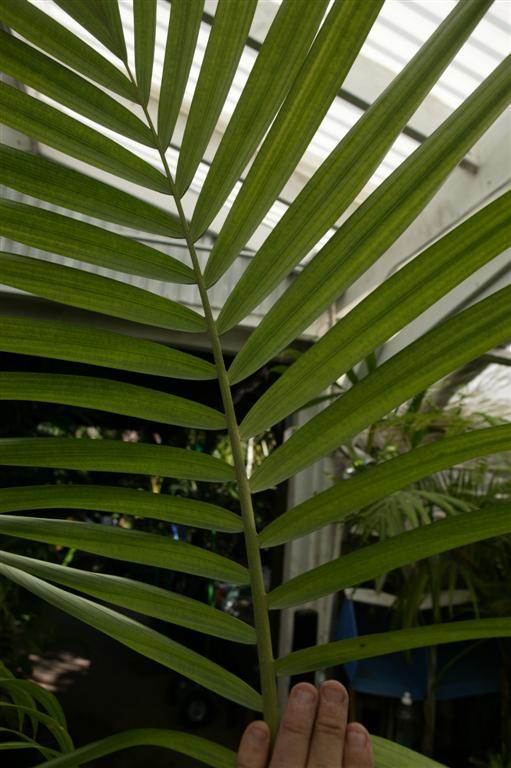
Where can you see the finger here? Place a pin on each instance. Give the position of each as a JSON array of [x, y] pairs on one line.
[[358, 752], [293, 738], [330, 727], [254, 746]]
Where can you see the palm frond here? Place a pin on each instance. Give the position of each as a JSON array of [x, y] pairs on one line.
[[93, 106]]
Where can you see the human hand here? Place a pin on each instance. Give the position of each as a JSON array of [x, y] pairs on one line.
[[313, 734]]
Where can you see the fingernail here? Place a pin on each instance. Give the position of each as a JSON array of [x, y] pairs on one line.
[[357, 740], [333, 694], [304, 696], [258, 735]]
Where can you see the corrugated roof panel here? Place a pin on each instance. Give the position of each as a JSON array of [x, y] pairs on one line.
[[403, 25]]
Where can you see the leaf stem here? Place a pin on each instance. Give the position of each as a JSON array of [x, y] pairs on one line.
[[259, 596]]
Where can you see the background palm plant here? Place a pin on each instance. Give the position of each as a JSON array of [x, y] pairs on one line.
[[26, 709], [453, 491], [298, 71]]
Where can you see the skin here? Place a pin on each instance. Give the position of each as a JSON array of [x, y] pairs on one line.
[[314, 733]]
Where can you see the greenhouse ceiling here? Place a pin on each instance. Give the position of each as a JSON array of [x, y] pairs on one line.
[[402, 27]]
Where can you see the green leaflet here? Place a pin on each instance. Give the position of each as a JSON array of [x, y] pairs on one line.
[[8, 745], [335, 503], [376, 224], [25, 742], [32, 692], [141, 639], [342, 175], [101, 19], [60, 734], [438, 352], [144, 17], [129, 545], [121, 501], [390, 755], [200, 749], [82, 344], [55, 233], [378, 559], [368, 646], [113, 456], [390, 307], [18, 696], [95, 293], [47, 34], [110, 12], [31, 67], [225, 45], [39, 177], [111, 396], [139, 597], [28, 744], [315, 87], [48, 125], [184, 25], [310, 92], [283, 51]]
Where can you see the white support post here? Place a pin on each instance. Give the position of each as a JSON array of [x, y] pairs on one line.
[[308, 552]]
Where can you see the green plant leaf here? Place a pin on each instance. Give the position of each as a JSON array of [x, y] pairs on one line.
[[39, 177], [35, 25], [144, 18], [387, 754], [33, 691], [376, 224], [55, 233], [61, 735], [378, 559], [48, 125], [101, 19], [283, 51], [33, 68], [111, 396], [128, 545], [368, 646], [122, 501], [342, 175], [77, 288], [390, 307], [183, 31], [25, 742], [225, 45], [113, 456], [205, 751], [446, 347], [315, 87], [8, 745], [21, 697], [63, 341], [139, 597], [141, 639], [296, 76], [336, 503]]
